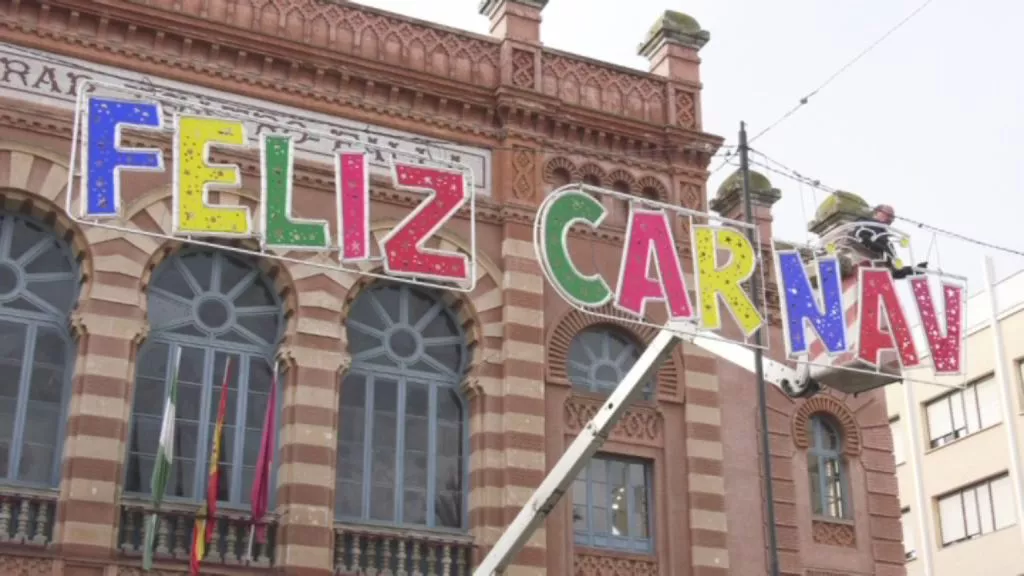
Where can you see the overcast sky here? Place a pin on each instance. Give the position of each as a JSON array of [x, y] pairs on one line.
[[930, 121]]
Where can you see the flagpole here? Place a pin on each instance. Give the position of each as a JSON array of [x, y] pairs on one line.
[[1006, 396], [266, 433]]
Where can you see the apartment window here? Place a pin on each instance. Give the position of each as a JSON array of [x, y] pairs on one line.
[[611, 504], [963, 412], [976, 510], [909, 535], [827, 470], [898, 440]]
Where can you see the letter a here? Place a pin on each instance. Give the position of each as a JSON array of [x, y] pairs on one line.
[[878, 292], [649, 238], [800, 304], [946, 350]]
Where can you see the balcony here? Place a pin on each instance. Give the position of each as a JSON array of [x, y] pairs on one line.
[[26, 517], [174, 536], [372, 550]]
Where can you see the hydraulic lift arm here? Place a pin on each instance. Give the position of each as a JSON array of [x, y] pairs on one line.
[[794, 382]]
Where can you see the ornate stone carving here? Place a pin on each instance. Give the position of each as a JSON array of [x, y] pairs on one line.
[[637, 96], [522, 174], [834, 533], [824, 403], [523, 69], [355, 30], [686, 110], [691, 196], [639, 423], [25, 566], [586, 563]]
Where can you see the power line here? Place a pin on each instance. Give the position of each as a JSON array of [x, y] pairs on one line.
[[794, 175], [803, 101]]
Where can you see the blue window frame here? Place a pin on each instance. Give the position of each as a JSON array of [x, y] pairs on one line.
[[212, 305], [828, 474], [403, 438], [611, 504], [600, 356], [39, 282]]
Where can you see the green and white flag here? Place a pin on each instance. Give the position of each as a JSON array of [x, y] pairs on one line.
[[162, 466]]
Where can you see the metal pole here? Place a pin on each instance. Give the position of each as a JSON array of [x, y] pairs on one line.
[[925, 541], [1006, 396], [762, 398]]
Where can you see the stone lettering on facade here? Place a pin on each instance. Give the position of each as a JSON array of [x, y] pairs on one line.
[[40, 77]]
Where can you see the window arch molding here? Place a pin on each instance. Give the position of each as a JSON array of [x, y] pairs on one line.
[[832, 407], [212, 304], [477, 312], [572, 322], [403, 409]]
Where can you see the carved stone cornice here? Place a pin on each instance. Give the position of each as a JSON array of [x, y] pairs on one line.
[[294, 69]]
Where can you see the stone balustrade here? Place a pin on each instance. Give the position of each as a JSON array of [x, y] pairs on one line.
[[360, 550], [174, 536], [26, 516]]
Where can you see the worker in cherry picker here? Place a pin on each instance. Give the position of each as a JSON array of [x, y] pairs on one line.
[[874, 235]]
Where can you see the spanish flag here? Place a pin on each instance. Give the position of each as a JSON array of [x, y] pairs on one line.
[[205, 519]]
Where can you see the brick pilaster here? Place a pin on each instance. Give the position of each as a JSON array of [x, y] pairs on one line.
[[110, 323], [314, 358]]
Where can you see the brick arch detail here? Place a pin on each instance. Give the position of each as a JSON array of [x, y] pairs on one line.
[[652, 183], [574, 321], [595, 171], [33, 181], [626, 178], [830, 406], [564, 163]]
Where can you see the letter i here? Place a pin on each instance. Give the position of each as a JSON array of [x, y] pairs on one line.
[[352, 180]]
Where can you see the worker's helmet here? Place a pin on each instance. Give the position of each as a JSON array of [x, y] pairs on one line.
[[887, 210]]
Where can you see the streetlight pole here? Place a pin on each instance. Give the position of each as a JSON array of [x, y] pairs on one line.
[[762, 393]]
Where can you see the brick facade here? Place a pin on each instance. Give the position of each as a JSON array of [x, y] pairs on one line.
[[548, 118]]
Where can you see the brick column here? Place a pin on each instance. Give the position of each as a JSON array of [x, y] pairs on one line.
[[522, 389], [110, 324], [313, 356]]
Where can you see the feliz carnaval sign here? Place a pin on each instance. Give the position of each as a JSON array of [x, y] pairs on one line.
[[650, 268]]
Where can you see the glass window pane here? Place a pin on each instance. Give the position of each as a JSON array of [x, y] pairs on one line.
[[988, 403], [814, 472], [909, 533], [958, 404], [384, 445], [1002, 503], [951, 518], [970, 398], [972, 525], [940, 421]]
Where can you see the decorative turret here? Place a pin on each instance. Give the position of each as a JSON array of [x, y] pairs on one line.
[[672, 44], [839, 208]]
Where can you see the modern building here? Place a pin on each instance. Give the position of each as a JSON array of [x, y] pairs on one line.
[[966, 456], [414, 424]]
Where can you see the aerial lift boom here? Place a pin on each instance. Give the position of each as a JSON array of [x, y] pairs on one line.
[[794, 382]]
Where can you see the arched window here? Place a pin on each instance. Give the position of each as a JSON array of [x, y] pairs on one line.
[[38, 288], [600, 356], [829, 486], [402, 443], [213, 306]]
